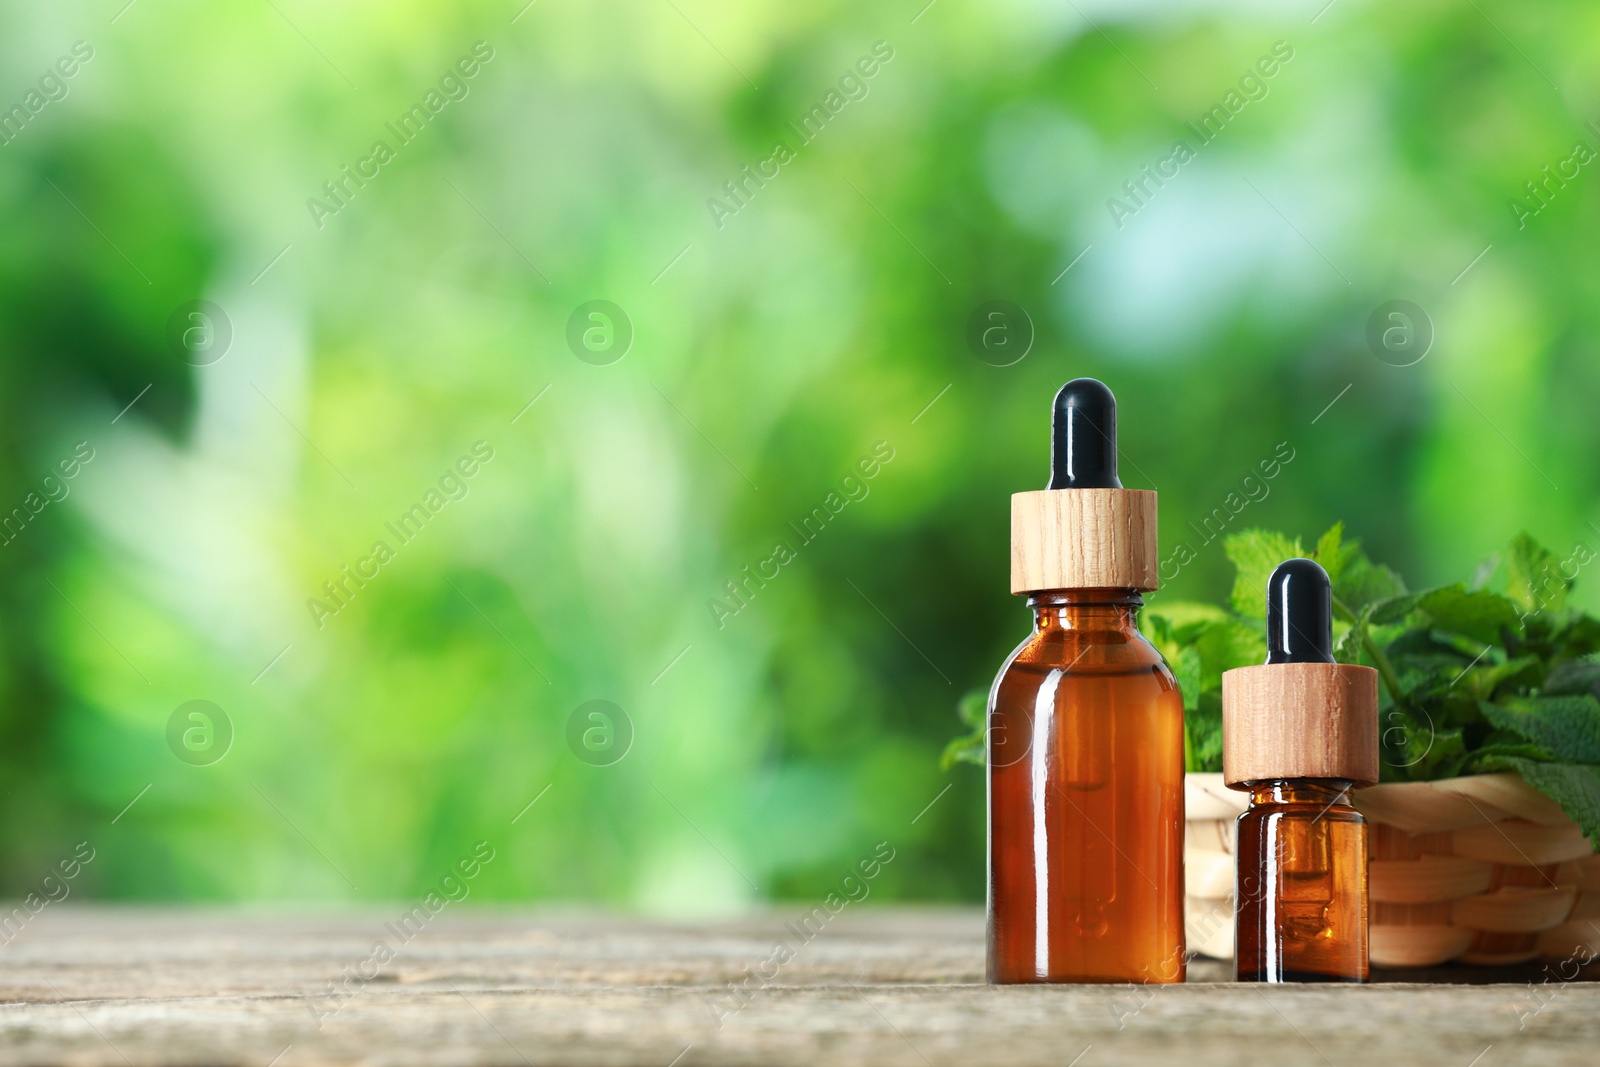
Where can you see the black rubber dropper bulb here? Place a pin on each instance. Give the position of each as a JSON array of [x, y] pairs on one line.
[[1083, 437], [1299, 613]]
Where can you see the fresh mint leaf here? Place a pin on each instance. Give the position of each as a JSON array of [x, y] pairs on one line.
[[1573, 679], [1348, 648], [1577, 635], [1395, 608], [1448, 758], [1188, 669], [1333, 552], [1203, 740], [1362, 582], [1180, 613], [973, 710], [1175, 624], [1569, 726], [1575, 786], [1481, 615], [1157, 629], [1484, 680], [1226, 645], [1254, 554], [1485, 757], [1422, 650], [1414, 748], [963, 750], [1535, 581]]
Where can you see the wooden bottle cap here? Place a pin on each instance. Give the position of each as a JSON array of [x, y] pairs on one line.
[[1300, 720], [1083, 539]]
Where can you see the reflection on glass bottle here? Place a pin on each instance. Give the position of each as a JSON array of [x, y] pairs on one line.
[[1302, 889], [1087, 824]]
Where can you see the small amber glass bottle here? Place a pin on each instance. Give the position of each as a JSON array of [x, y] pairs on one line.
[[1299, 732], [1085, 733], [1302, 888]]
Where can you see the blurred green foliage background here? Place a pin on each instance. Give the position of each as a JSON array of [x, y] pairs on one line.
[[774, 347]]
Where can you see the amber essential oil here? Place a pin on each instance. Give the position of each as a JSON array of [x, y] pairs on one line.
[[1299, 733], [1085, 745], [1302, 886]]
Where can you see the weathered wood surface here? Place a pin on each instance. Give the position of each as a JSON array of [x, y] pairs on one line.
[[881, 987]]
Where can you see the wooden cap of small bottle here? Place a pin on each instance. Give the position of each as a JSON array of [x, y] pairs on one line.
[[1083, 539], [1300, 720]]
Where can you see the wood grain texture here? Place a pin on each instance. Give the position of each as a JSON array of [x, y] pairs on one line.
[[1300, 720], [1083, 539], [887, 987]]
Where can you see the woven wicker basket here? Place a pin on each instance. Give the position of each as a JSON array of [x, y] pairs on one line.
[[1483, 870]]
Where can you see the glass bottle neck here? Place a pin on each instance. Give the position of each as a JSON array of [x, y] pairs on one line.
[[1086, 609], [1314, 792]]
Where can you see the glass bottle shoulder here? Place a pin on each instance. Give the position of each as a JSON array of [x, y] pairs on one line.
[[1120, 650], [1301, 800]]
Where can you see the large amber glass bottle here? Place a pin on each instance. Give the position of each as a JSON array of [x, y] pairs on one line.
[[1086, 796], [1085, 741]]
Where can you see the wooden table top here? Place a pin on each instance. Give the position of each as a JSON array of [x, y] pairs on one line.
[[880, 986]]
